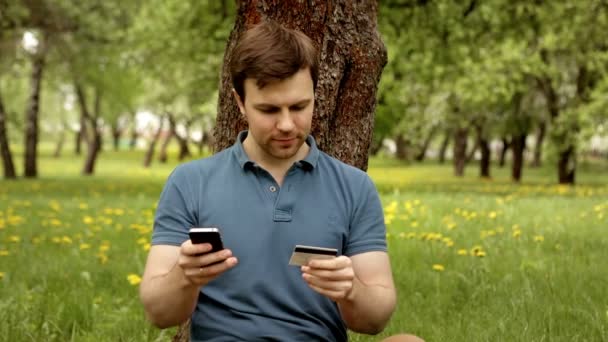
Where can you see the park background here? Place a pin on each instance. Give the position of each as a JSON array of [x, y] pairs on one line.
[[486, 134]]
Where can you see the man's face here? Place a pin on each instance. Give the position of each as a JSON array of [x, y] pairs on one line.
[[279, 115]]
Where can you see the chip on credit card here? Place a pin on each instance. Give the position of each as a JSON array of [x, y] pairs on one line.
[[303, 254]]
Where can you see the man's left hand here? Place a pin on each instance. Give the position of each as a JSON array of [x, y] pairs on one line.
[[333, 278]]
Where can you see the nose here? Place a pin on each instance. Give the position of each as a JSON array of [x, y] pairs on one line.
[[285, 121]]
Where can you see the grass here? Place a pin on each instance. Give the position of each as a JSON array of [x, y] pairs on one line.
[[473, 260]]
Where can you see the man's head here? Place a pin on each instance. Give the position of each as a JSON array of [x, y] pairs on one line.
[[274, 71], [270, 52]]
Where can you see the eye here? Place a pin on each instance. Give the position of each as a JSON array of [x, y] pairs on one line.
[[269, 110], [297, 108]]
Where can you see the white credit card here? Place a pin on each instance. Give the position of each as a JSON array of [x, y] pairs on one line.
[[303, 254]]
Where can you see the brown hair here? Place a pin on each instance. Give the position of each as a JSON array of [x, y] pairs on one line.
[[270, 52]]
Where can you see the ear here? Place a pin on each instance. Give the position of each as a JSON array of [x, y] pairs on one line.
[[239, 102]]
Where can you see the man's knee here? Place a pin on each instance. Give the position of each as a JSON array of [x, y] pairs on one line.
[[403, 338]]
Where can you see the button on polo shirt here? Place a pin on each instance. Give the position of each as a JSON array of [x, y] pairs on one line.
[[322, 202]]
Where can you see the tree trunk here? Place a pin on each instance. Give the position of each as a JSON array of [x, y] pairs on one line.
[[116, 134], [80, 135], [60, 142], [5, 147], [162, 155], [566, 166], [402, 148], [444, 146], [134, 134], [31, 119], [503, 152], [150, 152], [484, 147], [471, 153], [94, 136], [518, 145], [460, 150], [351, 60], [425, 145], [538, 147]]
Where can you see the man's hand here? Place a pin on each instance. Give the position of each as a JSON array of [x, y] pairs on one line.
[[333, 278], [199, 266]]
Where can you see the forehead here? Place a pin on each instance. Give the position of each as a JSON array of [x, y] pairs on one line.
[[291, 90]]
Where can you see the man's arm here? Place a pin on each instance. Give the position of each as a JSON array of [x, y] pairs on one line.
[[361, 285], [173, 277]]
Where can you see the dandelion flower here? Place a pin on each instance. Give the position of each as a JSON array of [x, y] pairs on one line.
[[4, 252], [517, 234], [438, 268], [539, 238], [84, 246], [2, 275], [462, 252], [134, 279], [14, 238]]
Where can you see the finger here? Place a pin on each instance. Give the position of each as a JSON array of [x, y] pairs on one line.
[[330, 264], [336, 286], [188, 248], [333, 295], [332, 275], [217, 269], [212, 258]]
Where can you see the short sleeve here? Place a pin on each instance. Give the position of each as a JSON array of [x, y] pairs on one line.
[[367, 229], [174, 214]]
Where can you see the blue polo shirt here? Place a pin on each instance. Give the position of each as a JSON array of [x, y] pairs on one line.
[[322, 202]]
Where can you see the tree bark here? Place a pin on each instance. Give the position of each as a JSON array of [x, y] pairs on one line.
[[484, 148], [31, 118], [94, 136], [444, 146], [162, 154], [150, 152], [352, 57], [460, 150], [518, 145], [402, 147], [60, 142], [566, 166], [538, 147], [503, 152], [80, 135], [5, 147], [116, 134], [471, 153], [425, 145]]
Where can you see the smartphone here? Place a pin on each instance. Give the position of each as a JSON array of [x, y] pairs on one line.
[[207, 235]]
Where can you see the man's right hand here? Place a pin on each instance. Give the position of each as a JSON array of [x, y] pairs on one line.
[[200, 266]]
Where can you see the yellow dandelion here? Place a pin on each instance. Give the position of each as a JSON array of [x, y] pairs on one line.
[[84, 246], [14, 238], [517, 234], [539, 238], [134, 279], [67, 240], [119, 212], [438, 268], [104, 248], [83, 206], [87, 220], [2, 275], [411, 235], [102, 258], [4, 252], [146, 247], [462, 251], [492, 215], [480, 254], [451, 225], [402, 235]]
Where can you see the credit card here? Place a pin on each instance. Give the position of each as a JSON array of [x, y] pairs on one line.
[[302, 254]]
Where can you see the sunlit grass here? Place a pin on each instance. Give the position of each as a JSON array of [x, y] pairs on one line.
[[473, 260]]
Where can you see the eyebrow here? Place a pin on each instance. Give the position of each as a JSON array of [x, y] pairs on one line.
[[301, 103]]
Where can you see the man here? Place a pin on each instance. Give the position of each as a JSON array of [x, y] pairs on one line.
[[272, 190]]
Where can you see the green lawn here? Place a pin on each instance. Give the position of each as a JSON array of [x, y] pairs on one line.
[[473, 260]]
